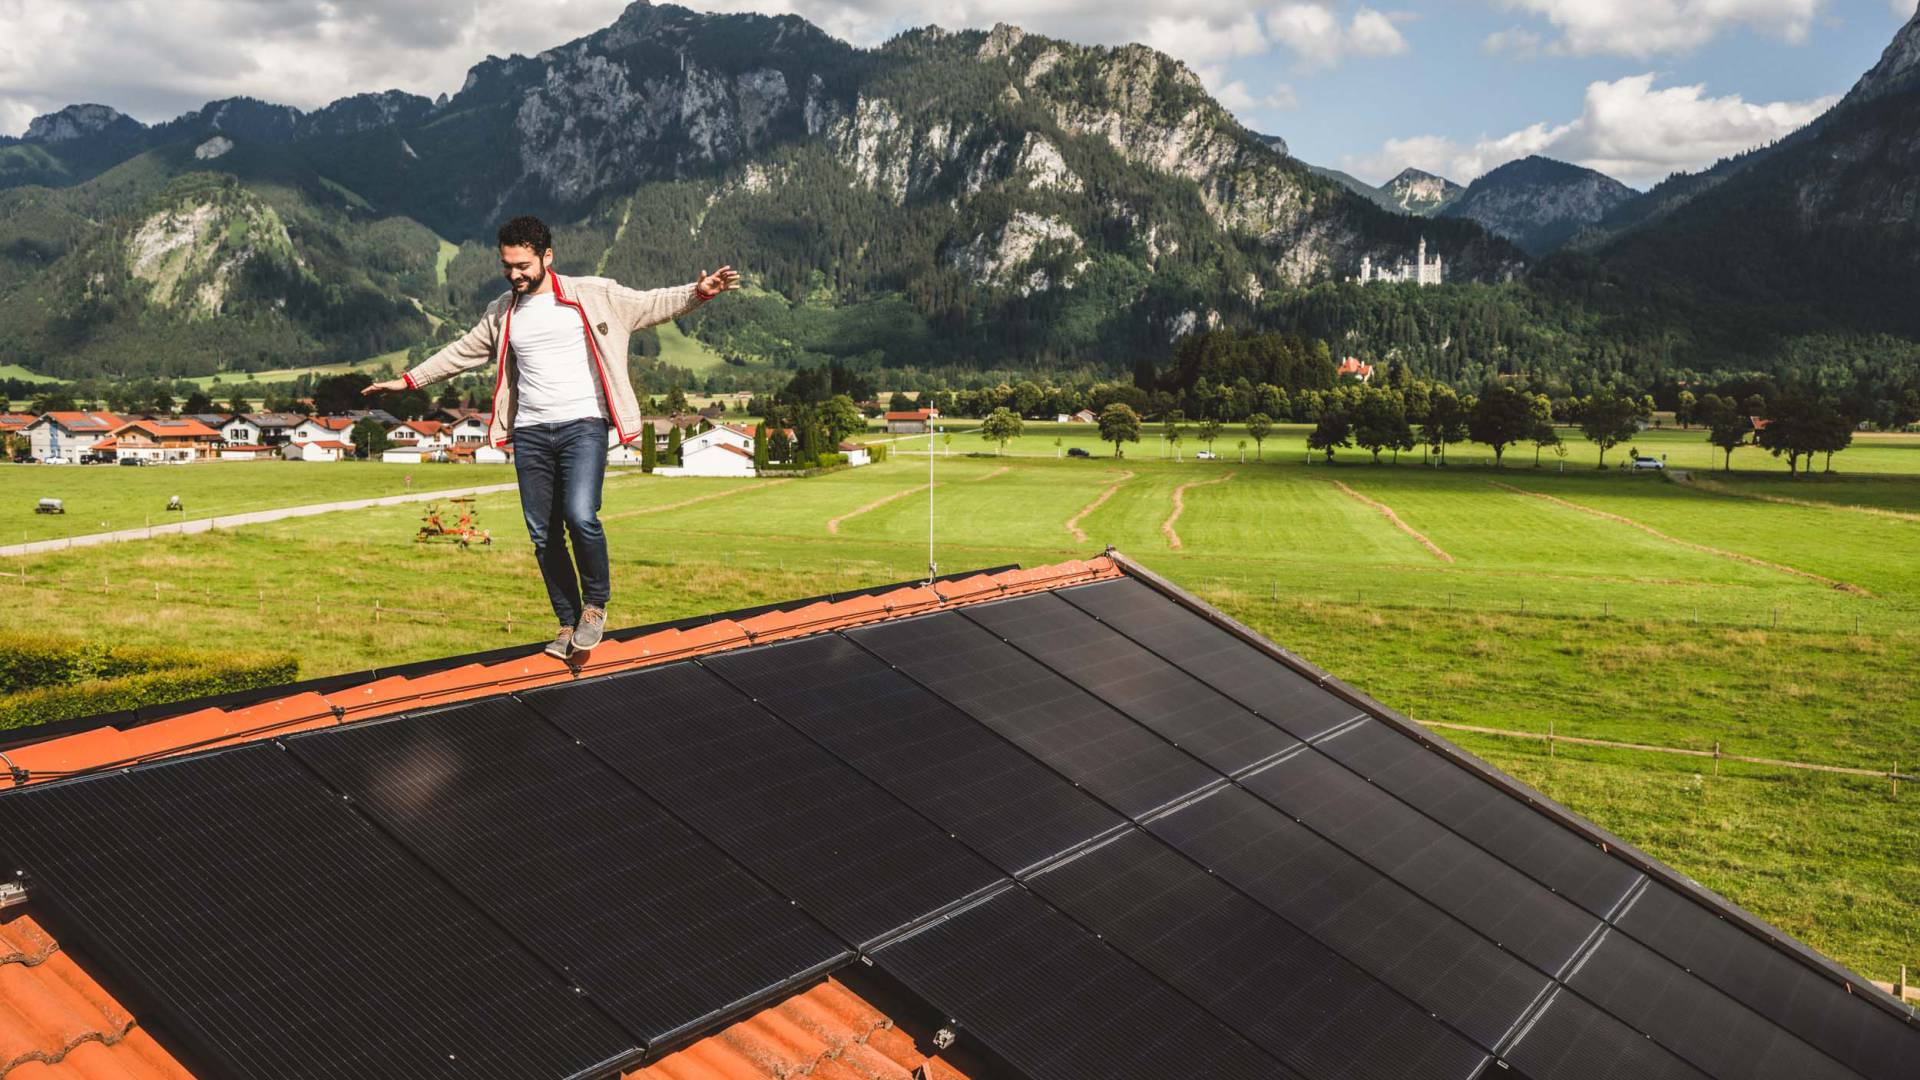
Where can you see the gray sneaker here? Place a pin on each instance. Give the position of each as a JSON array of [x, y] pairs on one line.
[[592, 622], [561, 645]]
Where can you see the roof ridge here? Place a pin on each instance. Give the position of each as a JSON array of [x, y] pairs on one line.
[[210, 728]]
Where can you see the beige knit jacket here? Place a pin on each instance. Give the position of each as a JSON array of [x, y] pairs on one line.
[[610, 311]]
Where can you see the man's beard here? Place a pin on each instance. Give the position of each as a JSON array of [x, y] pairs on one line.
[[531, 284]]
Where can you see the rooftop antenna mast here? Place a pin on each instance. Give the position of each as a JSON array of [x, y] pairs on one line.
[[933, 568]]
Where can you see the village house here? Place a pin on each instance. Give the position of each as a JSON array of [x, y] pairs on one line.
[[323, 428], [163, 439], [67, 435], [241, 430], [317, 450], [424, 435], [1352, 366]]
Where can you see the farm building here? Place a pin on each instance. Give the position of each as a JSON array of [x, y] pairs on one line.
[[911, 421], [68, 435]]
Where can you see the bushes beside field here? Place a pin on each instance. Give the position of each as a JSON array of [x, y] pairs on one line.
[[44, 679]]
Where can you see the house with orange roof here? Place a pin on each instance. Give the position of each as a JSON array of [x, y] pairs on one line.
[[1058, 821], [322, 428], [425, 435], [1351, 367], [166, 440], [67, 435]]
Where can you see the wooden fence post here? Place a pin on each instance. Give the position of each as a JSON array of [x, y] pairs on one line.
[[1716, 757], [376, 611]]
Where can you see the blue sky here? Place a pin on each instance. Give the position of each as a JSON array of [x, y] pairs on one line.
[[1636, 88]]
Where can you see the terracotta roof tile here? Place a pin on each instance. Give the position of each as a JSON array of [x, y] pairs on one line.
[[828, 1032], [57, 1023]]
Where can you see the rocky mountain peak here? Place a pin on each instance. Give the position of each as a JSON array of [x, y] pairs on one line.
[[78, 122], [1899, 65], [1418, 192], [1538, 202]]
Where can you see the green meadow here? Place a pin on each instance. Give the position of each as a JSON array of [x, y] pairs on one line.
[[1774, 618]]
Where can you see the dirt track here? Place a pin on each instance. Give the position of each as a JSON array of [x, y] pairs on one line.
[[1180, 507], [1387, 512], [833, 526], [1073, 523]]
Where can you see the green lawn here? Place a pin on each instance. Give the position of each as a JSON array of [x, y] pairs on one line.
[[15, 371], [1545, 613], [102, 498]]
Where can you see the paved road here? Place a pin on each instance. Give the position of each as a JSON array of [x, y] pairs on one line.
[[227, 521]]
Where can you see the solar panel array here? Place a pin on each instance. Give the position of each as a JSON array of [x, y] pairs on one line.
[[1103, 834]]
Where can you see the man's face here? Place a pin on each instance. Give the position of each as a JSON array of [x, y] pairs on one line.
[[525, 271]]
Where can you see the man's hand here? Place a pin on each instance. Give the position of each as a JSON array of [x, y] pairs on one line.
[[383, 387], [712, 285]]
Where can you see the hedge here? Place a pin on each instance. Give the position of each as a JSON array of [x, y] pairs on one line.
[[45, 679]]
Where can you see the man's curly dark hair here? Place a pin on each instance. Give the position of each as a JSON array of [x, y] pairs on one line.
[[527, 231]]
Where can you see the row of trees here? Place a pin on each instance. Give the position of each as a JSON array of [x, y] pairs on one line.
[[1383, 419]]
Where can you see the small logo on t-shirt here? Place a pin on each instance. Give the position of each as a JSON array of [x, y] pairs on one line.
[[602, 328]]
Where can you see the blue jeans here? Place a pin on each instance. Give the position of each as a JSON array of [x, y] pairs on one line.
[[560, 467]]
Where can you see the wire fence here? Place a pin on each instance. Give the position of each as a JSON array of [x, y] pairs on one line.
[[1891, 774]]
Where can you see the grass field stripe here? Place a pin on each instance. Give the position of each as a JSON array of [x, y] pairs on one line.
[[1688, 544], [1387, 512], [708, 497], [833, 526], [1716, 488], [1180, 507], [1073, 523], [1001, 471]]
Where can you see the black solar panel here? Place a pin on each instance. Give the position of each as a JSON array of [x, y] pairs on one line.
[[1131, 679], [1466, 882], [1384, 927], [852, 855], [1213, 655], [655, 923], [1544, 850], [1692, 1019], [988, 792], [280, 934], [1570, 1039], [1121, 762], [1057, 1003], [1274, 984], [1779, 987]]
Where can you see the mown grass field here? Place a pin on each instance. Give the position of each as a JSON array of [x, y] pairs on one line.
[[1689, 616], [103, 498]]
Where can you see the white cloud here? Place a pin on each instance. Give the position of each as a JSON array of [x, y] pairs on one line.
[[1518, 40], [1312, 31], [1629, 129], [1647, 28]]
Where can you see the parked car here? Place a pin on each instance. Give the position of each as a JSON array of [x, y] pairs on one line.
[[1077, 451], [1205, 455], [53, 461], [133, 461], [1640, 463]]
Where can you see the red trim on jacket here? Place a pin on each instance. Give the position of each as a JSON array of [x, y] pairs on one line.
[[407, 377], [606, 384], [506, 327]]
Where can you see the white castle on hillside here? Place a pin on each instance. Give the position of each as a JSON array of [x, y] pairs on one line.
[[1420, 271]]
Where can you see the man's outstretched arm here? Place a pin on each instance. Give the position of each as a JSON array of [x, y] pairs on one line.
[[641, 308], [473, 349]]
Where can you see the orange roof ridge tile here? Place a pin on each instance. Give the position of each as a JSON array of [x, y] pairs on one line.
[[207, 728]]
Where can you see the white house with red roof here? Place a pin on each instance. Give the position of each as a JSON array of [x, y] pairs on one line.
[[323, 428], [1352, 366], [68, 435], [163, 439], [423, 435], [317, 450], [722, 450]]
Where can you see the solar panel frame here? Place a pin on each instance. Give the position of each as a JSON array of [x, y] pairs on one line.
[[1514, 911], [965, 777], [1125, 765], [1056, 1002], [1382, 926], [1283, 989], [1185, 711], [663, 929], [1773, 983], [280, 933], [860, 861]]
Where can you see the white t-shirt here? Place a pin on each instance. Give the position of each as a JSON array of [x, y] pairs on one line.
[[552, 363]]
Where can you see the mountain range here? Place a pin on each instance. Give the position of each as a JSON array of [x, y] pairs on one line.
[[986, 200]]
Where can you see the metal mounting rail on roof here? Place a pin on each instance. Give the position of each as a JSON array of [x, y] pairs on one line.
[[1851, 981]]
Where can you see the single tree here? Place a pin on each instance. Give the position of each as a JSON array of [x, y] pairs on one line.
[[673, 445], [760, 460], [237, 405], [1209, 431], [1607, 419], [198, 402], [1173, 429], [1503, 416], [1259, 426], [649, 449], [1727, 426], [1119, 424], [1446, 422], [1380, 423], [1832, 432], [1333, 430], [1000, 425], [899, 402], [1686, 408], [368, 437]]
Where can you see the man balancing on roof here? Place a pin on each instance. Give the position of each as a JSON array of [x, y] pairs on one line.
[[562, 397]]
